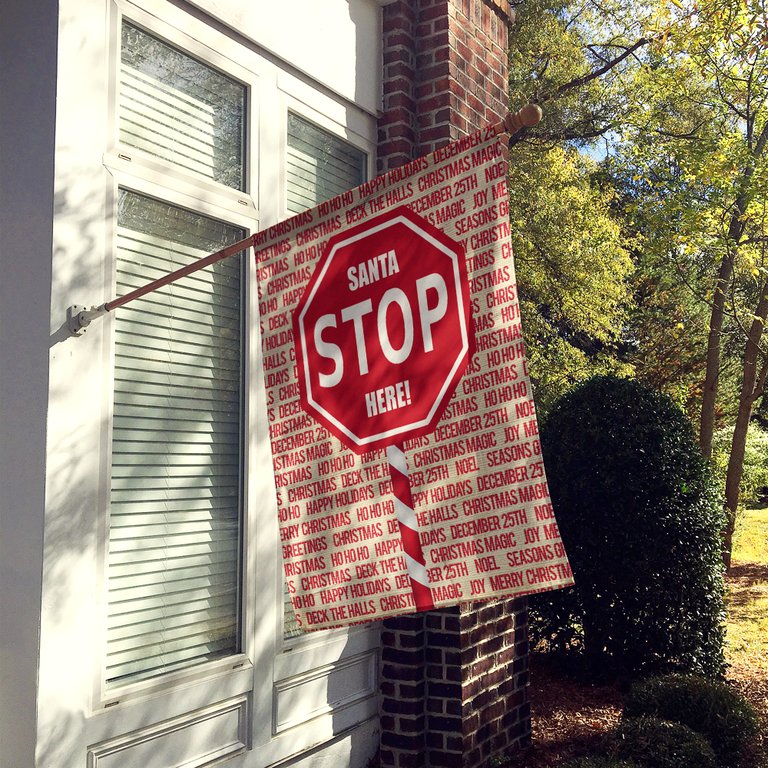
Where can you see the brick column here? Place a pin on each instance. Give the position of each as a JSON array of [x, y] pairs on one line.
[[403, 688], [454, 682], [445, 73]]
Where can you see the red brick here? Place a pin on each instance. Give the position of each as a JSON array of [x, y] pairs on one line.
[[435, 740], [437, 42], [442, 723], [401, 672], [437, 11], [400, 69], [402, 706], [397, 38], [425, 60], [403, 759], [446, 75], [410, 690], [474, 757], [423, 90], [409, 742], [400, 100], [399, 84], [422, 30]]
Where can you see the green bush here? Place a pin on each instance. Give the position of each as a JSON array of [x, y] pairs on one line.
[[640, 518], [655, 743], [725, 719]]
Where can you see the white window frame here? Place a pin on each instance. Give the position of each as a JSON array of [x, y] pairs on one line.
[[306, 102], [270, 672], [252, 391], [132, 170], [298, 658]]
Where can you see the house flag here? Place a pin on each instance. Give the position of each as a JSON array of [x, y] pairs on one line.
[[407, 460]]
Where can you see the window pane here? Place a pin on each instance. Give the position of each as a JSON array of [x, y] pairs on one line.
[[175, 512], [319, 166], [180, 110]]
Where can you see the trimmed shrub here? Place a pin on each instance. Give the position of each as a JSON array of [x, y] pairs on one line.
[[712, 709], [640, 518], [655, 743]]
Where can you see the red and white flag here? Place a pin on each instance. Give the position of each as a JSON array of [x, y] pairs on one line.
[[407, 461]]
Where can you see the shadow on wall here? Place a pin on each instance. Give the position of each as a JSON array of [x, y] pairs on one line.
[[71, 571]]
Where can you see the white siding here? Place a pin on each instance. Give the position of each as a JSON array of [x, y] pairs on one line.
[[324, 38]]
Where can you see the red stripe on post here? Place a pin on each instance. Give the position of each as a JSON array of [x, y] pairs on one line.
[[401, 487]]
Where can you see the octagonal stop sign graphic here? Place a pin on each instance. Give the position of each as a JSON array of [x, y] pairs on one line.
[[383, 330]]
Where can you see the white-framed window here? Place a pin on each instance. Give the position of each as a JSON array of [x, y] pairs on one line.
[[181, 110], [172, 648], [319, 165], [176, 522], [177, 516]]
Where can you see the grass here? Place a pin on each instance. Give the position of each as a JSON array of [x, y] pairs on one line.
[[747, 615], [751, 536], [570, 717], [747, 596]]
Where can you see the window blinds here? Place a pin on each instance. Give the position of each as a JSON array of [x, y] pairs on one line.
[[175, 520], [319, 166], [180, 110]]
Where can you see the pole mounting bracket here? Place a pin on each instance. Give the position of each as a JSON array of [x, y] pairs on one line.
[[79, 317]]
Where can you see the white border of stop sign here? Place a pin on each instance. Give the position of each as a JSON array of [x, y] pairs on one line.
[[401, 432]]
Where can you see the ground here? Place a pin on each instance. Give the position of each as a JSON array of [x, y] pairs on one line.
[[570, 717]]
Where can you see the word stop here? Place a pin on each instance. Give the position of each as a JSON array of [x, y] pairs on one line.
[[431, 307]]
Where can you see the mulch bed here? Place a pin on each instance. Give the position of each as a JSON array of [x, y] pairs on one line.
[[571, 717]]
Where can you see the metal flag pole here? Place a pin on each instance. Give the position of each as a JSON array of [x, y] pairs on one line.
[[79, 318]]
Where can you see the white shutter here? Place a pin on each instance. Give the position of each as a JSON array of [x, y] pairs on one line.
[[175, 512], [319, 166]]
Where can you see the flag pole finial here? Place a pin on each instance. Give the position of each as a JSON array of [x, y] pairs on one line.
[[526, 117]]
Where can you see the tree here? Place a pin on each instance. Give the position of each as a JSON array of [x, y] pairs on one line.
[[698, 146], [573, 262], [572, 56], [573, 268], [677, 91], [640, 520]]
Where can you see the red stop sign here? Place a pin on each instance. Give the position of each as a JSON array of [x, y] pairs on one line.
[[383, 330]]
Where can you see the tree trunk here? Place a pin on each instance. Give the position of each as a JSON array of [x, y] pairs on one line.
[[751, 388], [712, 375], [735, 232]]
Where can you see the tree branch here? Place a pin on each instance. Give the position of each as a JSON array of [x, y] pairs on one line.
[[692, 135], [758, 239], [593, 75], [555, 137]]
